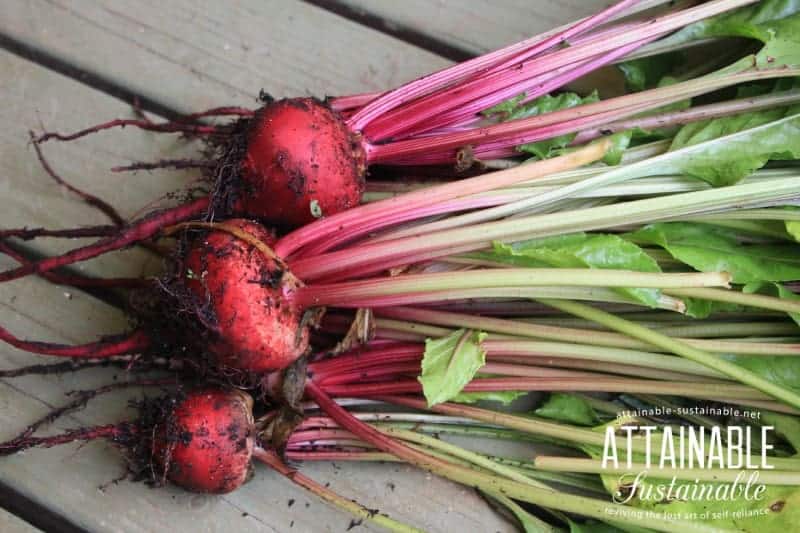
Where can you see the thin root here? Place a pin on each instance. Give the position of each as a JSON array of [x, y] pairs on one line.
[[27, 234], [81, 398], [106, 347], [219, 112], [115, 432], [73, 365], [90, 199], [140, 231], [172, 164], [78, 281], [144, 124]]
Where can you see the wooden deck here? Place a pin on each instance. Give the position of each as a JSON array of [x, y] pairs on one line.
[[70, 63]]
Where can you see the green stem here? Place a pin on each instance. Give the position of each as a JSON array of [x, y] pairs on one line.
[[461, 453], [740, 298], [424, 322], [463, 239], [747, 214], [526, 519], [592, 466], [344, 292], [679, 348]]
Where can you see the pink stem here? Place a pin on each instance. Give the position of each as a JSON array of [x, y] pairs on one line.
[[442, 78], [354, 101], [486, 92], [369, 213]]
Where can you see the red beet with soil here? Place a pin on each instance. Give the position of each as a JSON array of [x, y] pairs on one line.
[[301, 162], [206, 443], [259, 329]]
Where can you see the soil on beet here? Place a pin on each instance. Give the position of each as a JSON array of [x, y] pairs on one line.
[[287, 174]]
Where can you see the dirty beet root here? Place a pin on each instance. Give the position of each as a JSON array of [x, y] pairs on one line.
[[206, 442], [201, 441], [228, 300], [249, 296], [301, 162]]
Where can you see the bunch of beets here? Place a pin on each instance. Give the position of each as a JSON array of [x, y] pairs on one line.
[[277, 271]]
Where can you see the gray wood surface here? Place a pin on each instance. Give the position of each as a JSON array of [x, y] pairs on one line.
[[12, 524], [191, 55], [185, 55], [477, 26]]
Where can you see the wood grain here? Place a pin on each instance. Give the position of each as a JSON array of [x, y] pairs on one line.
[[478, 26], [193, 55], [11, 524]]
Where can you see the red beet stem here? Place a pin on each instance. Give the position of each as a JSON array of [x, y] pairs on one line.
[[141, 230], [506, 135], [446, 77], [414, 204], [367, 433], [534, 79], [106, 347]]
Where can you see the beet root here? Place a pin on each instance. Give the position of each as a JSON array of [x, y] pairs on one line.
[[206, 443], [301, 162], [250, 295], [201, 440]]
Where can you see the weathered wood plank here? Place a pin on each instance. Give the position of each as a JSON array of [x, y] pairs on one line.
[[477, 26], [34, 96], [12, 524], [192, 55]]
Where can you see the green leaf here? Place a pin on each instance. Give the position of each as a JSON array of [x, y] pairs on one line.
[[503, 397], [592, 526], [735, 169], [782, 142], [780, 369], [751, 22], [619, 143], [710, 248], [529, 522], [786, 426], [720, 511], [697, 308], [774, 289], [792, 227], [581, 250], [702, 131], [568, 408], [514, 109], [548, 104], [647, 72], [504, 108], [450, 363]]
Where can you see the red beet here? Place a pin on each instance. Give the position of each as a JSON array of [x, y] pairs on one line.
[[259, 329], [301, 161], [205, 444]]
